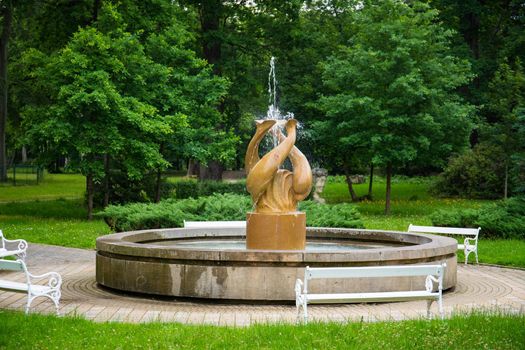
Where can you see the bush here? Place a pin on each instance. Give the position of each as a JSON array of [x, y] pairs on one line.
[[335, 215], [172, 212], [219, 207], [499, 220], [193, 189], [474, 174]]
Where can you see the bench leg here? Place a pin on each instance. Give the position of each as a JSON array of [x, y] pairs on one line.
[[29, 301], [467, 253], [56, 306], [440, 305], [305, 311], [429, 304], [22, 256]]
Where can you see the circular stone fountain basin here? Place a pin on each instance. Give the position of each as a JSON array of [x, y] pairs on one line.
[[213, 263]]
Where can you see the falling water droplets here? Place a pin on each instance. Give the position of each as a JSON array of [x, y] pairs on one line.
[[273, 112]]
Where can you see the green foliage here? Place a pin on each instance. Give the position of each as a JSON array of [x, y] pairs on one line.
[[89, 113], [489, 330], [476, 173], [172, 213], [391, 94], [193, 189], [499, 220], [218, 207], [336, 215], [118, 97]]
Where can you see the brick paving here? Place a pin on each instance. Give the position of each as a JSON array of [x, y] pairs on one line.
[[479, 287]]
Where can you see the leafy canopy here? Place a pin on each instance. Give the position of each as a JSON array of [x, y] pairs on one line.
[[391, 92]]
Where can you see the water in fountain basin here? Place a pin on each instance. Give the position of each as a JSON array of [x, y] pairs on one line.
[[240, 245]]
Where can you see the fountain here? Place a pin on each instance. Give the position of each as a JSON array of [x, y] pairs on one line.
[[262, 262]]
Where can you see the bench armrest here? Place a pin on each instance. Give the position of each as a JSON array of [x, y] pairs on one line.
[[54, 280], [468, 240], [18, 247], [21, 244]]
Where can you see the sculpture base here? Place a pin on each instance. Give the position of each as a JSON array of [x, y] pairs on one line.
[[276, 231]]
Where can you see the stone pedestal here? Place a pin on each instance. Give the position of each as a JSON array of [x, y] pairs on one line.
[[276, 231]]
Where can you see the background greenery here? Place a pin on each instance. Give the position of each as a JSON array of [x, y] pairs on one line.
[[121, 90]]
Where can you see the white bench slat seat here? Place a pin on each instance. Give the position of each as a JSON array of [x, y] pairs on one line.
[[14, 247], [470, 243], [434, 274], [51, 288], [214, 224]]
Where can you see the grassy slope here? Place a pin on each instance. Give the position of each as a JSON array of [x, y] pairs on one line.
[[40, 214], [54, 186], [476, 331]]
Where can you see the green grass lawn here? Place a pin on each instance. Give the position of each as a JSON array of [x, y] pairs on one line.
[[58, 222], [54, 186], [475, 331], [41, 214]]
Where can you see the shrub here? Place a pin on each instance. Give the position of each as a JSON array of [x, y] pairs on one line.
[[172, 212], [499, 220], [474, 174], [218, 207], [335, 215], [193, 189]]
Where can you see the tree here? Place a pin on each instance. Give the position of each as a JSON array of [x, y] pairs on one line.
[[486, 32], [392, 92], [6, 8], [119, 99], [505, 97]]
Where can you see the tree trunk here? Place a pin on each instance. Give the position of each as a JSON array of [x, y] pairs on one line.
[[213, 171], [24, 154], [192, 168], [371, 180], [107, 180], [90, 192], [471, 23], [353, 195], [96, 8], [210, 16], [6, 16], [158, 183], [388, 188], [211, 13], [506, 187]]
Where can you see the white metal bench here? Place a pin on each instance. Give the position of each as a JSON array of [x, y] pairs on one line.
[[470, 244], [15, 247], [214, 224], [51, 289], [434, 273]]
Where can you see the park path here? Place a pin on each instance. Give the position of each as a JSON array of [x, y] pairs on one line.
[[479, 287]]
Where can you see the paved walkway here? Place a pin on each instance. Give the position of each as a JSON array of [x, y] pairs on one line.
[[484, 287]]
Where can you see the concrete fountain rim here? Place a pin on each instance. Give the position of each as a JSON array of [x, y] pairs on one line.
[[421, 246]]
